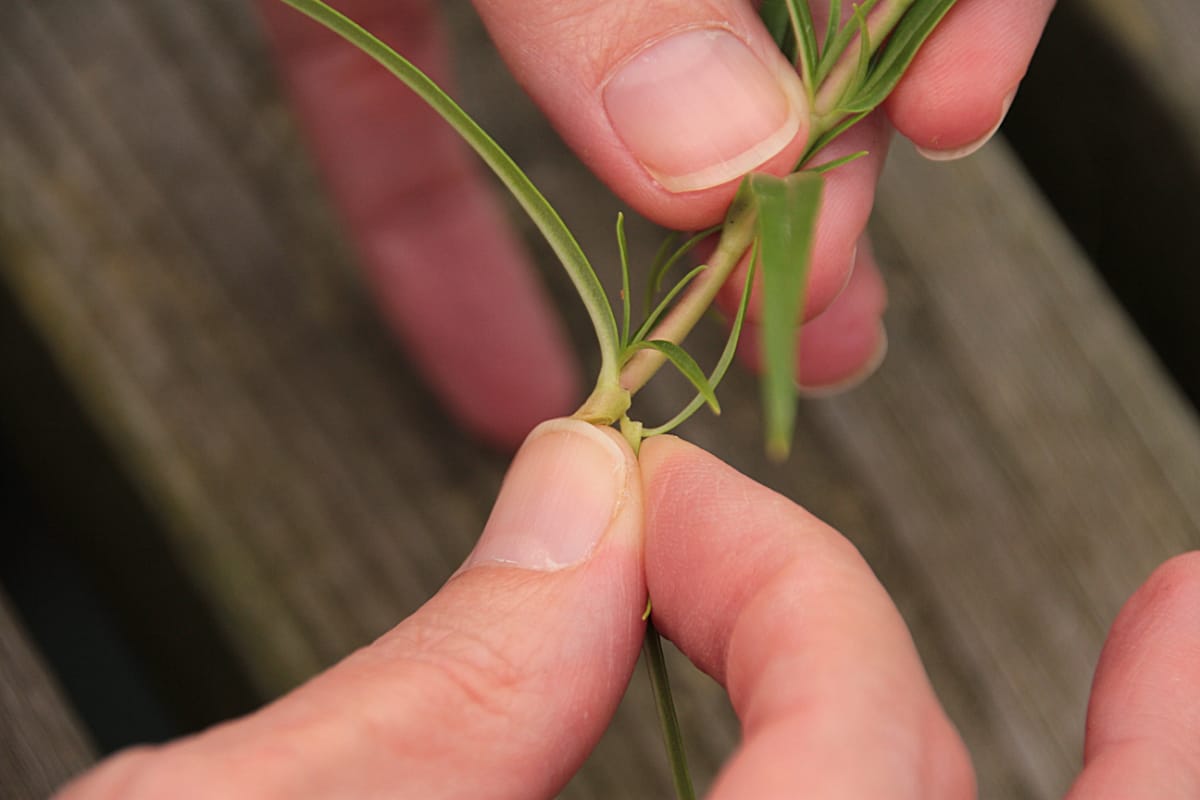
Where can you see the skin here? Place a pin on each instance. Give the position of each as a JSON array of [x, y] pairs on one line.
[[502, 683], [428, 274]]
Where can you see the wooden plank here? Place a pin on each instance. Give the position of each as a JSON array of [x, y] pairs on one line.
[[1158, 37], [1032, 458], [1016, 468], [42, 744], [1108, 122]]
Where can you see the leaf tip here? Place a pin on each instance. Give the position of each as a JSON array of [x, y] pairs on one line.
[[778, 449]]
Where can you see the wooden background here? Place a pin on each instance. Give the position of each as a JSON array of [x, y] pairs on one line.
[[1018, 466]]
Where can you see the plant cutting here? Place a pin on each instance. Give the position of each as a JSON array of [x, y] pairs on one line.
[[847, 68]]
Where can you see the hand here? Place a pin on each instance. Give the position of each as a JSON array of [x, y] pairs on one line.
[[502, 683], [434, 243]]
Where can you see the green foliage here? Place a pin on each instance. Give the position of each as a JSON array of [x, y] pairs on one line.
[[785, 210], [846, 73], [544, 216], [668, 257], [889, 65], [623, 250], [687, 367], [855, 74], [723, 362], [775, 16], [655, 315]]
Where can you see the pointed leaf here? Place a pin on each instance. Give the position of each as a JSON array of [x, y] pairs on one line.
[[829, 166], [787, 218], [774, 14], [665, 260], [623, 251], [805, 34], [824, 139], [832, 45], [898, 52], [543, 215], [653, 317], [687, 367], [718, 373]]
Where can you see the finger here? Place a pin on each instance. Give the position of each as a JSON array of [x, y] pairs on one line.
[[498, 687], [846, 201], [845, 344], [960, 85], [817, 661], [668, 102], [1143, 731], [450, 277]]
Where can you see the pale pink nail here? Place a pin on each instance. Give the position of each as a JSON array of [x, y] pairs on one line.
[[557, 500], [699, 108]]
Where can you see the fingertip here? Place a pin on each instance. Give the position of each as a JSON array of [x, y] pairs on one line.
[[845, 344], [956, 92], [1144, 713], [846, 202], [798, 600], [563, 495], [668, 103]]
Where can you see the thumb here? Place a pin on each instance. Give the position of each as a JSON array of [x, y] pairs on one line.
[[498, 687], [668, 101]]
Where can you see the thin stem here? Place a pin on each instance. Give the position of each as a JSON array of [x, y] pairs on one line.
[[664, 304], [623, 249], [656, 665], [723, 362], [557, 235], [884, 16], [679, 321]]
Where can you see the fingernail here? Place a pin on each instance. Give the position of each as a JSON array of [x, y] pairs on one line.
[[557, 500], [868, 369], [698, 109], [968, 149]]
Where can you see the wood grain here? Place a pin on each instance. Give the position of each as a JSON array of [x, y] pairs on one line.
[[1013, 472], [41, 742]]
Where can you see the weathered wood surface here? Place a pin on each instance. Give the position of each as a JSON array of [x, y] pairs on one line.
[[1014, 471], [1158, 37], [41, 742], [1108, 122]]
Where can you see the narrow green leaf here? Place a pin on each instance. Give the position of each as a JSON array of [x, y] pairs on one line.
[[687, 367], [774, 14], [831, 46], [718, 373], [787, 218], [839, 41], [559, 237], [828, 136], [805, 33], [898, 52], [864, 47], [662, 266], [654, 316], [623, 249], [838, 162], [659, 265]]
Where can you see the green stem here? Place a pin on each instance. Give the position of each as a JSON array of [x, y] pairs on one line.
[[557, 235], [679, 321], [656, 665], [883, 18]]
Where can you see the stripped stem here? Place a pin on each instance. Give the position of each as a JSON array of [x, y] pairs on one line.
[[884, 17], [656, 665], [679, 321]]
